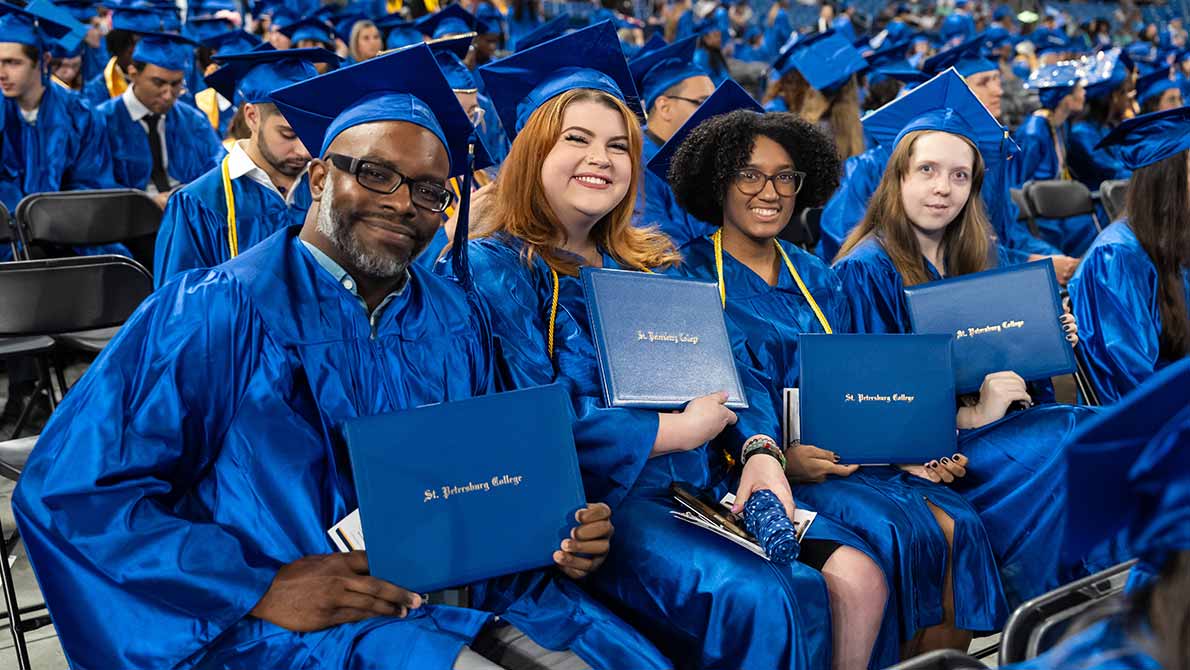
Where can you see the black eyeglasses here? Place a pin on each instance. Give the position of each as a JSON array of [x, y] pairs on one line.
[[697, 102], [787, 183], [381, 179]]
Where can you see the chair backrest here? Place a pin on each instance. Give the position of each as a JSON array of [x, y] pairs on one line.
[[1039, 624], [91, 218], [6, 234], [63, 295], [943, 659], [805, 229], [1112, 194], [1022, 205], [1058, 198]]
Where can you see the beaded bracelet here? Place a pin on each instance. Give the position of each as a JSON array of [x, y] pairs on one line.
[[762, 444]]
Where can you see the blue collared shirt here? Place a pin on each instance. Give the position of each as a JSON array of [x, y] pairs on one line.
[[346, 281]]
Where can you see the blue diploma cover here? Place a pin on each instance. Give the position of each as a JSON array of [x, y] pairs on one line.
[[662, 341], [877, 399], [462, 491], [1003, 319]]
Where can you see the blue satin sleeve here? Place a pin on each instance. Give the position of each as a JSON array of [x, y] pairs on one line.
[[1004, 215], [104, 502], [184, 240], [874, 293], [657, 206], [1114, 292], [91, 165], [846, 208], [1093, 166], [1035, 143]]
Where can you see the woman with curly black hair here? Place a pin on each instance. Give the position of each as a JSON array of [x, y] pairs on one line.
[[750, 173]]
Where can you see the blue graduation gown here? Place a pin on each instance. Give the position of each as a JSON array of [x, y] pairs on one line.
[[1037, 161], [1104, 645], [1114, 292], [1094, 166], [191, 145], [491, 132], [194, 229], [1016, 472], [656, 204], [777, 104], [704, 601], [861, 177], [777, 34], [200, 453], [94, 59], [884, 506]]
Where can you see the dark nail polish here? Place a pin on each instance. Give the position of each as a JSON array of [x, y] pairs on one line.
[[933, 464], [945, 460], [956, 457]]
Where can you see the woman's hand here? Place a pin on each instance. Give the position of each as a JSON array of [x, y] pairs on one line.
[[763, 471], [1069, 325], [809, 464], [942, 471], [997, 393], [702, 419], [589, 542]]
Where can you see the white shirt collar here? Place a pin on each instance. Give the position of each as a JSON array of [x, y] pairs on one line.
[[136, 108], [240, 164]]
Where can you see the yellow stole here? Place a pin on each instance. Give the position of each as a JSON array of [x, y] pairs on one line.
[[116, 82], [207, 101], [717, 239]]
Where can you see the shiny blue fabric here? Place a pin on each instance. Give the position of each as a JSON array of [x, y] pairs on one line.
[[94, 60], [1089, 165], [193, 231], [1014, 478], [656, 204], [95, 91], [65, 150], [861, 177], [1105, 645], [1038, 160], [884, 506], [200, 453], [192, 148], [1114, 292], [705, 602], [491, 133]]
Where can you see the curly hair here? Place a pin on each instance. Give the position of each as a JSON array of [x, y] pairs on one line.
[[705, 164]]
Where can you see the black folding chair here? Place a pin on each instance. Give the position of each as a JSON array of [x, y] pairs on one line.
[[943, 659], [1111, 194], [1023, 212], [43, 298], [49, 222], [804, 230], [1037, 625], [1060, 199]]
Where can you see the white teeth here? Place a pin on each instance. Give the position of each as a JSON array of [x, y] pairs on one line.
[[593, 180], [763, 211]]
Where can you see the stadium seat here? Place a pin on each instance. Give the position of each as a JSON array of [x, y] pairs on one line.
[[1112, 194], [943, 659], [1060, 199]]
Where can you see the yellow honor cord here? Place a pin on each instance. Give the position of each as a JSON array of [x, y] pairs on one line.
[[717, 239], [553, 312], [233, 239]]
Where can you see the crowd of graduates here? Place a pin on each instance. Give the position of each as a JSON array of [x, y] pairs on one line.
[[382, 204]]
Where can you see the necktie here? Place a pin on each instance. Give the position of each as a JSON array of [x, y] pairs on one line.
[[158, 176]]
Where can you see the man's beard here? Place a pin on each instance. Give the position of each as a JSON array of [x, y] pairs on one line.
[[341, 233], [284, 167]]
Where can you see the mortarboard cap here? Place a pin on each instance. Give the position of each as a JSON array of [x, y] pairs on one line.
[[1105, 71], [232, 41], [1142, 52], [825, 60], [403, 85], [1054, 82], [654, 43], [81, 10], [344, 23], [454, 20], [139, 20], [728, 97], [201, 28], [587, 58], [399, 32], [656, 71], [450, 52], [555, 27], [1002, 12], [309, 28], [487, 16], [42, 25], [250, 77], [1150, 138], [966, 58], [944, 103], [1154, 84], [1128, 469], [165, 50]]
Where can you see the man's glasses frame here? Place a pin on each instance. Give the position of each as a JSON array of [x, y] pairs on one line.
[[382, 179]]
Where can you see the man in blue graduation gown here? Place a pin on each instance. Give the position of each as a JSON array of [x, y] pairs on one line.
[[671, 88], [112, 79], [52, 140], [156, 144], [176, 508], [204, 224]]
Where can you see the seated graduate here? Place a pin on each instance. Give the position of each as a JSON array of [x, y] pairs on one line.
[[260, 187], [1108, 103], [818, 83], [564, 200], [93, 55], [861, 174], [1129, 478], [925, 222], [671, 88], [1132, 293], [66, 65], [752, 172], [1158, 91], [113, 80], [220, 110], [158, 145], [52, 140], [187, 483], [1043, 155]]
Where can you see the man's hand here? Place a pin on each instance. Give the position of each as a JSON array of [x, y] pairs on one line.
[[589, 542], [317, 592]]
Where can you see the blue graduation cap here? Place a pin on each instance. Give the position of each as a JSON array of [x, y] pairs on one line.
[[1154, 84], [1001, 12], [139, 20], [165, 50], [1050, 42], [1128, 472], [555, 27], [450, 52], [309, 28], [587, 58], [488, 19], [966, 58], [654, 43], [403, 85], [399, 32], [250, 77], [657, 71], [1105, 71], [825, 60], [344, 23], [728, 97], [42, 25], [1142, 52], [944, 103], [1054, 82], [199, 29], [232, 41], [81, 10], [454, 20], [1150, 138]]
